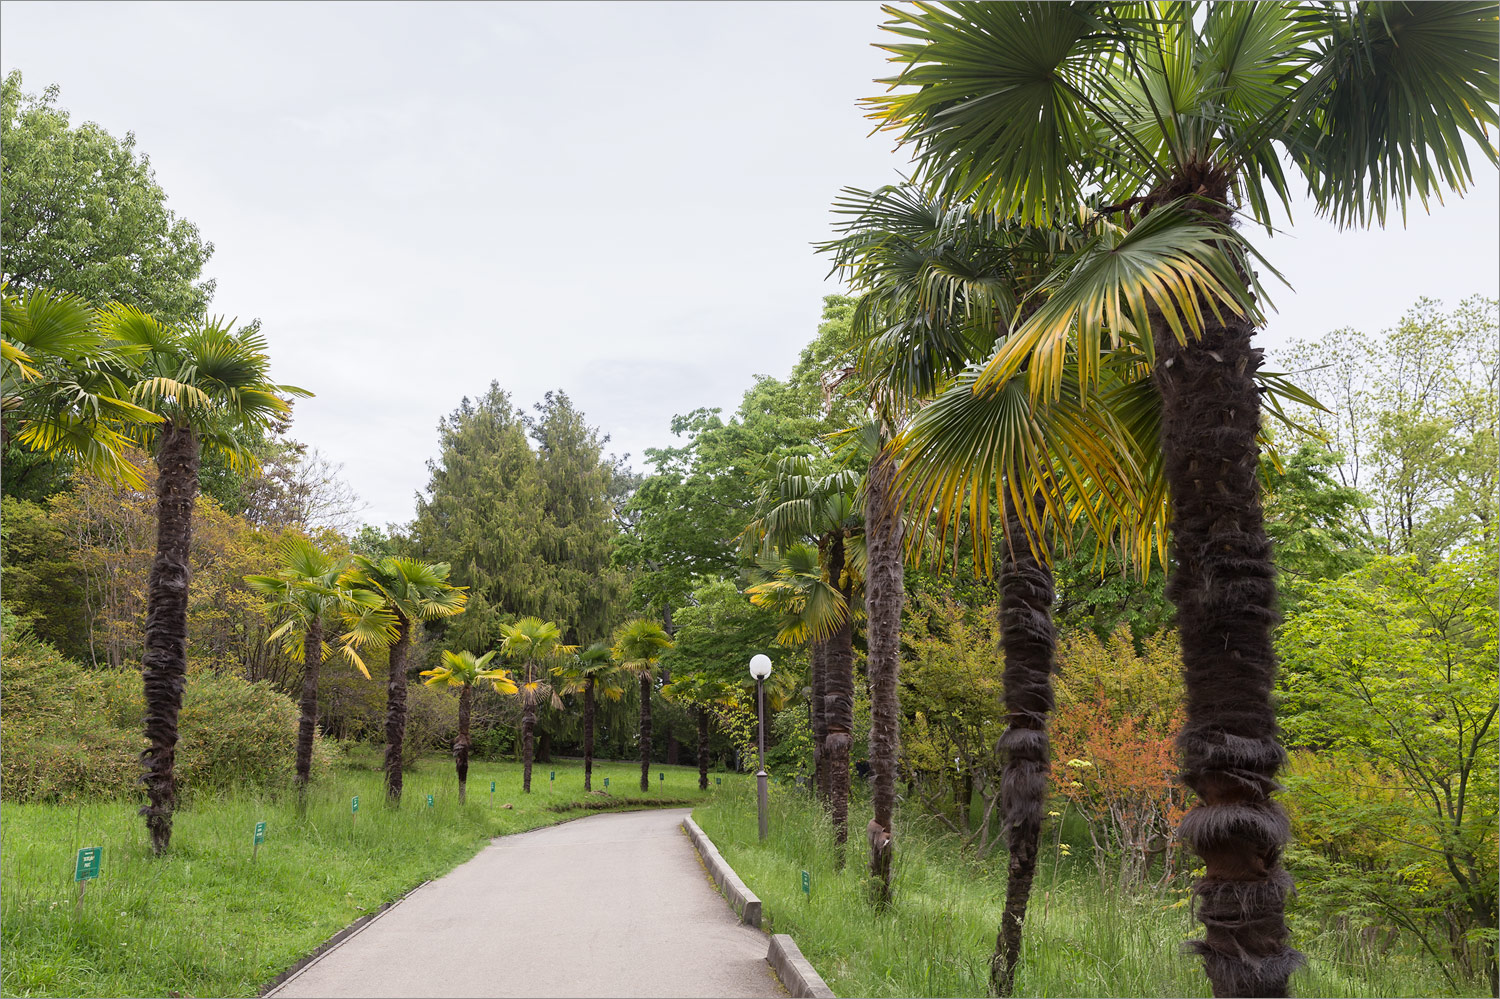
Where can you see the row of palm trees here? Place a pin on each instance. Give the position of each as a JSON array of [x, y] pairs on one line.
[[1057, 315]]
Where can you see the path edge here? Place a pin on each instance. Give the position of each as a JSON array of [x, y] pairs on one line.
[[797, 974], [335, 940]]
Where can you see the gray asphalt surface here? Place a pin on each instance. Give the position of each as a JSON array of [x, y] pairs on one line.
[[610, 905]]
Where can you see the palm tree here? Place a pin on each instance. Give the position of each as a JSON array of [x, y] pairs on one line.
[[301, 597], [463, 670], [413, 591], [534, 643], [638, 644], [1178, 116], [593, 674], [796, 505], [65, 381], [701, 693], [207, 383]]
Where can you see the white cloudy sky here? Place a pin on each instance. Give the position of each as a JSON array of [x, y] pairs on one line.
[[612, 199]]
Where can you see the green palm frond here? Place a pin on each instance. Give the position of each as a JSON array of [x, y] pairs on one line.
[[639, 643]]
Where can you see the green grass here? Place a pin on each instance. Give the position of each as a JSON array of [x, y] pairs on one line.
[[937, 937], [207, 921]]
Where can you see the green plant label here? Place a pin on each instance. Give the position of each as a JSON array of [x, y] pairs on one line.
[[354, 805], [806, 883], [492, 787], [552, 775], [606, 782], [661, 777], [718, 780], [88, 863], [429, 801], [260, 832]]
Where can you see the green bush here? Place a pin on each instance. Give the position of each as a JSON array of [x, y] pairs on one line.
[[72, 733]]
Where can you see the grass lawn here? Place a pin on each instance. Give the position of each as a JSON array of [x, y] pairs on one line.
[[937, 938], [207, 921]]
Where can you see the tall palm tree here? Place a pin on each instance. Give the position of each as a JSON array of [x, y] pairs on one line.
[[65, 381], [414, 592], [638, 644], [207, 383], [700, 692], [796, 505], [535, 644], [1179, 116], [463, 670], [302, 597], [592, 673]]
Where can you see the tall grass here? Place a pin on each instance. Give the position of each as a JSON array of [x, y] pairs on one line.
[[936, 939], [209, 920]]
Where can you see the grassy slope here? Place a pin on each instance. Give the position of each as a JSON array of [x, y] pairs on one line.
[[937, 939], [206, 921]]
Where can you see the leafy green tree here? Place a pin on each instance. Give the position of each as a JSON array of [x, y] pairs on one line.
[[1175, 123], [1314, 524], [414, 592], [536, 644], [594, 674], [638, 646], [302, 597], [82, 213], [700, 693], [202, 381], [463, 670], [1392, 666]]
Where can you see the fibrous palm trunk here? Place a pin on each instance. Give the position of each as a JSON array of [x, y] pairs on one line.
[[883, 597], [838, 704], [818, 660], [307, 724], [528, 729], [164, 665], [461, 744], [702, 748], [1224, 589], [395, 711], [1029, 641], [646, 686], [588, 734]]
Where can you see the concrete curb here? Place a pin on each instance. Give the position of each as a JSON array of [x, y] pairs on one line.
[[796, 973], [741, 899]]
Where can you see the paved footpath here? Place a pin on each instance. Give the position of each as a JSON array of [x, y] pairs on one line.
[[610, 905]]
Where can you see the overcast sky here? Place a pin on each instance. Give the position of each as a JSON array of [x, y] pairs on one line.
[[617, 200]]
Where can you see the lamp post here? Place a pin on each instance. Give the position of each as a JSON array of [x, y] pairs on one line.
[[760, 668]]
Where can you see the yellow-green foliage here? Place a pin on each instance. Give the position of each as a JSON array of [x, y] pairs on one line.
[[72, 733], [1145, 685]]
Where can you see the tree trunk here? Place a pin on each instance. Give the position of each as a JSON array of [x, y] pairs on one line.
[[1224, 589], [461, 744], [838, 704], [702, 749], [307, 724], [1026, 633], [528, 729], [817, 659], [883, 598], [395, 711], [164, 665], [646, 686], [588, 734]]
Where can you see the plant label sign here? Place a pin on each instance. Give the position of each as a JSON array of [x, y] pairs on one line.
[[260, 833], [606, 782], [88, 863], [718, 780], [354, 805], [661, 777], [492, 787], [552, 775], [429, 801], [806, 883]]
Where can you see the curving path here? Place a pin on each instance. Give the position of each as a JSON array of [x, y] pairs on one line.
[[610, 905]]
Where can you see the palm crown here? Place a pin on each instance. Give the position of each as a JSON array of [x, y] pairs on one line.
[[464, 669]]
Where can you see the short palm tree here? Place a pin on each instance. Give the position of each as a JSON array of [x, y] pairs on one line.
[[798, 504], [207, 383], [592, 673], [303, 597], [463, 670], [413, 592], [537, 645], [638, 645], [701, 693], [1178, 117], [65, 381]]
